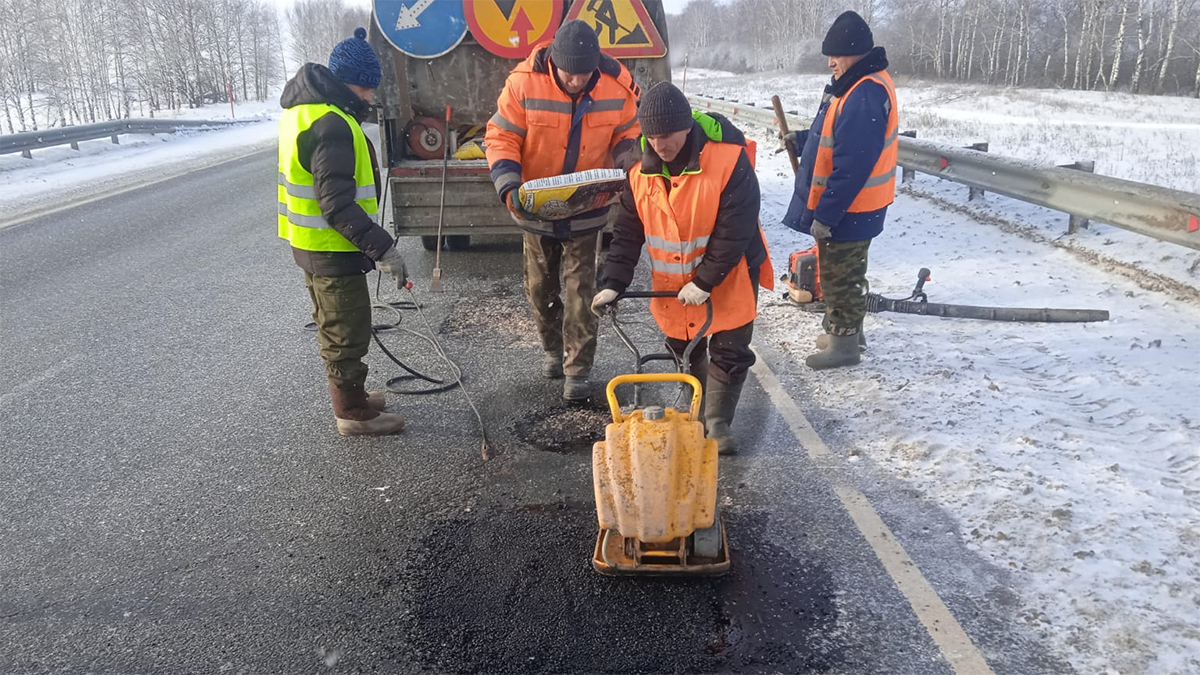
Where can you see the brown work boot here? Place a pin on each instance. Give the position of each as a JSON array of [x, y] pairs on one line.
[[376, 400], [356, 417]]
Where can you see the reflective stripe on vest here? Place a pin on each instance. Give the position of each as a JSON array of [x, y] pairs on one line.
[[880, 187], [299, 218], [678, 226]]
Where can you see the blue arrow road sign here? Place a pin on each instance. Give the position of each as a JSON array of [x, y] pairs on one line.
[[422, 28]]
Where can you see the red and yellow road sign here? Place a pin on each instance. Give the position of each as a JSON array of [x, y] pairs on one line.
[[511, 28], [623, 26]]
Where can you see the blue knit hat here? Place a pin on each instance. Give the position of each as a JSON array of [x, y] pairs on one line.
[[354, 62]]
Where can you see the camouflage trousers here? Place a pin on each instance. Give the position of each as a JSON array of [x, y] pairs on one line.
[[843, 284], [564, 323]]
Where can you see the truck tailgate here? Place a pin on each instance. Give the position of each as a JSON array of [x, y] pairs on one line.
[[472, 206]]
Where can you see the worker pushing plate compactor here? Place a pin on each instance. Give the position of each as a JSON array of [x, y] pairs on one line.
[[655, 476], [655, 472]]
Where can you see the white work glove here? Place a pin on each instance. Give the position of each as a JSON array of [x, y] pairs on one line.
[[393, 263], [692, 294], [820, 230], [602, 300]]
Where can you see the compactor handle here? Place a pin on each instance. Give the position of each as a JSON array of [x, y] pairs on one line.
[[642, 378]]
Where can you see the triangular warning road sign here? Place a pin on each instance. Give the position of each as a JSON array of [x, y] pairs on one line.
[[623, 27]]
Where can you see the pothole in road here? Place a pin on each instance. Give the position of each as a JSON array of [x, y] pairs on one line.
[[565, 430], [513, 591]]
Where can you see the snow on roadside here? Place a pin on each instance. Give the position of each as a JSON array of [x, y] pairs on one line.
[[60, 174], [1068, 453]]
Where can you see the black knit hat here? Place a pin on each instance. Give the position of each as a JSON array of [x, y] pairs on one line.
[[664, 110], [576, 48], [848, 36]]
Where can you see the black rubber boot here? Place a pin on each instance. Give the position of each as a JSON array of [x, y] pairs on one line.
[[823, 340], [842, 351], [719, 406]]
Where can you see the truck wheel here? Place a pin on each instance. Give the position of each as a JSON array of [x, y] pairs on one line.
[[429, 243], [458, 242]]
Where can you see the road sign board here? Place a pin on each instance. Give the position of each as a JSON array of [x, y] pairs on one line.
[[623, 27], [425, 29], [511, 28]]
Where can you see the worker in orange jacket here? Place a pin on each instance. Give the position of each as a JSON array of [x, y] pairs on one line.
[[566, 108], [693, 201]]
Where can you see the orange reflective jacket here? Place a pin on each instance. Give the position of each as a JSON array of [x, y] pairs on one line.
[[678, 225], [880, 189], [541, 132]]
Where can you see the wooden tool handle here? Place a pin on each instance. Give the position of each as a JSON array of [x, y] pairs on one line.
[[781, 122]]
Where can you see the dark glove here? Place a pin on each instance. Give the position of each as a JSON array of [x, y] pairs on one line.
[[514, 205], [820, 230]]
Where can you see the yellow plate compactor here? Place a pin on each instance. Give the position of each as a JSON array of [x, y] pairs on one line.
[[655, 480]]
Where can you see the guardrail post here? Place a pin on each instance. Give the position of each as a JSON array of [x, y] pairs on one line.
[[976, 192], [906, 174], [1077, 223], [26, 154], [74, 145], [115, 141]]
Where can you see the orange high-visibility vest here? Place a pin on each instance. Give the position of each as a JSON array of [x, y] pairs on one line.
[[880, 189], [532, 123], [678, 226]]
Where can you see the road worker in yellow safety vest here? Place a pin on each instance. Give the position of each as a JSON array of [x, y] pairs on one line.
[[693, 201], [328, 212], [846, 181]]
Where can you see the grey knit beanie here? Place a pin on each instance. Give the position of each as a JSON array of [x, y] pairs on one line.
[[664, 110], [576, 48]]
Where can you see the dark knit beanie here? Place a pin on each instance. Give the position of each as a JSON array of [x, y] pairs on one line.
[[849, 36], [576, 48], [664, 110], [354, 62]]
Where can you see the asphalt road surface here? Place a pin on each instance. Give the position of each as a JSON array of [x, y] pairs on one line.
[[175, 497]]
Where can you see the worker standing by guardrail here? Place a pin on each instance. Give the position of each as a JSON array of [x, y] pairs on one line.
[[564, 109], [328, 212], [846, 181]]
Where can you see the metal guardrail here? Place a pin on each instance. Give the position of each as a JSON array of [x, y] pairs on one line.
[[1162, 213], [33, 140]]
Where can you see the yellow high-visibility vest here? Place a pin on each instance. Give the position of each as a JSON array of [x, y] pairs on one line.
[[300, 219]]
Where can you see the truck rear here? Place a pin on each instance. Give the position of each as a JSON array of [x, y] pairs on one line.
[[431, 61]]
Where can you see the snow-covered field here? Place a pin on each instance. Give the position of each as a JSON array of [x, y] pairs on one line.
[[1067, 453], [1149, 139]]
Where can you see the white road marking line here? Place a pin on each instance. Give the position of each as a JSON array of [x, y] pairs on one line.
[[46, 375], [952, 641]]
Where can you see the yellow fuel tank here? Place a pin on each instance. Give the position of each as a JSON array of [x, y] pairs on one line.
[[655, 477]]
